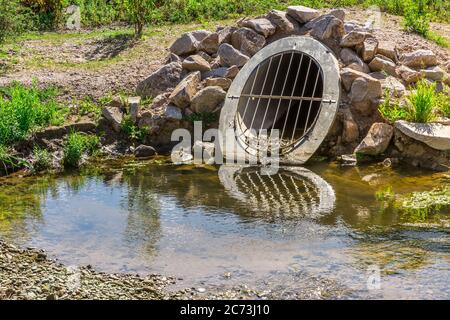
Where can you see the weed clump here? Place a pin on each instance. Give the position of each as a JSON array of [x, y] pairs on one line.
[[76, 146]]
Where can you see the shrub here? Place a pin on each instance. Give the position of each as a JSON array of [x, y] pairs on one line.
[[422, 102], [133, 132], [23, 109], [76, 145], [13, 18], [138, 11], [417, 19], [42, 159]]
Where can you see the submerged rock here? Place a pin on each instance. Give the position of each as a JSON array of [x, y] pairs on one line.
[[144, 151]]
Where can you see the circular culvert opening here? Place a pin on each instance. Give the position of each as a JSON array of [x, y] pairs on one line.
[[291, 85]]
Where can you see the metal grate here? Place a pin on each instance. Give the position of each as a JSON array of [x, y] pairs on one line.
[[283, 92]]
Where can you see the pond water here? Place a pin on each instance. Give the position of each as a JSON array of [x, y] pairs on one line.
[[319, 230]]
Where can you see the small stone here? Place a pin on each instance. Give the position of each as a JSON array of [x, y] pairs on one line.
[[302, 14], [229, 56], [201, 290], [261, 25], [173, 58], [419, 58], [133, 104], [222, 72], [433, 73], [144, 151], [208, 99], [350, 131], [349, 75], [196, 63], [381, 63], [377, 139], [353, 38]]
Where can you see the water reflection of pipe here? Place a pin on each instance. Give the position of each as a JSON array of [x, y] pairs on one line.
[[292, 191]]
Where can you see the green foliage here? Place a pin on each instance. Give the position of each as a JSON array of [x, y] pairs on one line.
[[443, 101], [23, 109], [385, 194], [419, 205], [417, 17], [88, 107], [422, 103], [133, 132], [138, 11], [205, 117], [9, 161], [76, 145], [390, 109], [13, 18], [42, 159]]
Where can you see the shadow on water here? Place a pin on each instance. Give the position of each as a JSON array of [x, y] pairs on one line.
[[273, 231]]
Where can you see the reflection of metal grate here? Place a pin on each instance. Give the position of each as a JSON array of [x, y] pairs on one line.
[[292, 192], [284, 92]]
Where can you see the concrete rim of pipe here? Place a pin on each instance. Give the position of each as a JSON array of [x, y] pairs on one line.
[[328, 65]]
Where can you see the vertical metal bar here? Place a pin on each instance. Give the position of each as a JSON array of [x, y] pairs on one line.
[[271, 92], [282, 91], [310, 103], [301, 102], [251, 91], [292, 94], [262, 90]]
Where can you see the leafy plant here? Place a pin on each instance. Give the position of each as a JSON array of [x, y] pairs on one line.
[[390, 109], [205, 117], [417, 18], [133, 132], [13, 18], [137, 11], [9, 161], [23, 109], [422, 102], [76, 145], [42, 159], [87, 106]]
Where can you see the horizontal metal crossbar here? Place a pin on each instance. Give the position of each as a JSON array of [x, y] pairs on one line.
[[262, 96]]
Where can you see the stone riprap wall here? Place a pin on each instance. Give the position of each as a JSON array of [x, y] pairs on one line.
[[202, 64]]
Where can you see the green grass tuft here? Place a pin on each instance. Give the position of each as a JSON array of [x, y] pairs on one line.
[[422, 103], [76, 146]]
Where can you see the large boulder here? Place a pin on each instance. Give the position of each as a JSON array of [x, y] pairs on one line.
[[353, 38], [377, 139], [433, 73], [408, 75], [229, 56], [159, 81], [196, 63], [261, 25], [224, 83], [327, 29], [185, 44], [387, 49], [365, 94], [208, 99], [225, 34], [394, 86], [382, 63], [210, 43], [281, 21], [435, 135], [144, 151], [350, 131], [185, 90], [419, 58], [302, 14], [352, 60], [114, 115], [247, 41], [369, 49], [348, 75]]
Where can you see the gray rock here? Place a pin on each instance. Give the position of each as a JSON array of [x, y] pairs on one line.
[[433, 73], [302, 14], [225, 34], [261, 25], [280, 19], [395, 87], [352, 60], [224, 83], [186, 44], [173, 113], [196, 63], [338, 13], [144, 151], [208, 99], [381, 63], [247, 41], [114, 115], [230, 56], [350, 131], [377, 139], [133, 104], [166, 77], [370, 46], [210, 43], [365, 94], [419, 58], [349, 75], [435, 135], [387, 49], [353, 38], [185, 90], [408, 75], [222, 72], [172, 57], [327, 29]]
